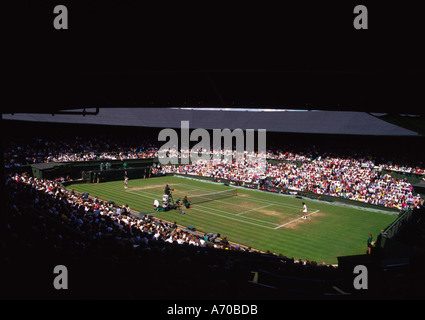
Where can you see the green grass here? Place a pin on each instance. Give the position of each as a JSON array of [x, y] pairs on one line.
[[261, 220]]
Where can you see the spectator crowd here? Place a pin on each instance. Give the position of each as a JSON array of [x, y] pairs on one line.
[[111, 254], [356, 178], [96, 218]]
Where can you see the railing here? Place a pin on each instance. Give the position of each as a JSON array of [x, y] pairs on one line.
[[395, 227]]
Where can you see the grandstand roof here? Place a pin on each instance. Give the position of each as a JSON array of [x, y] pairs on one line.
[[332, 122]]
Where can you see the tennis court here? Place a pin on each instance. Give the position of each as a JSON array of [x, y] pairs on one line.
[[261, 220]]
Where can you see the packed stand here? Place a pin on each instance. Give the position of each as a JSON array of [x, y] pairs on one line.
[[110, 254], [357, 178], [21, 151], [353, 179]]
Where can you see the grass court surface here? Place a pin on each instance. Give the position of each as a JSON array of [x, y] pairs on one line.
[[261, 220]]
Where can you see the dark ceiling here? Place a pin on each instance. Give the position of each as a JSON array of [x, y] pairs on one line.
[[298, 56]]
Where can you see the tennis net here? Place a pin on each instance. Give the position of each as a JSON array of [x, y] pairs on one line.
[[200, 198]]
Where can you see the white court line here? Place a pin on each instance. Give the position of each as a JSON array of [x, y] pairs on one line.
[[233, 215], [255, 200], [197, 189], [291, 206], [250, 199], [216, 214], [227, 217], [143, 195], [228, 212], [285, 224], [254, 209], [263, 221], [237, 205]]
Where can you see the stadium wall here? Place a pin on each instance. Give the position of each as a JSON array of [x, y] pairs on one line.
[[84, 170]]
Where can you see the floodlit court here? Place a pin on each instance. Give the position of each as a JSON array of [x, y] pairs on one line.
[[257, 219]]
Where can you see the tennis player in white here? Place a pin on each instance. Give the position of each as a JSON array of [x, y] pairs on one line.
[[304, 211]]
